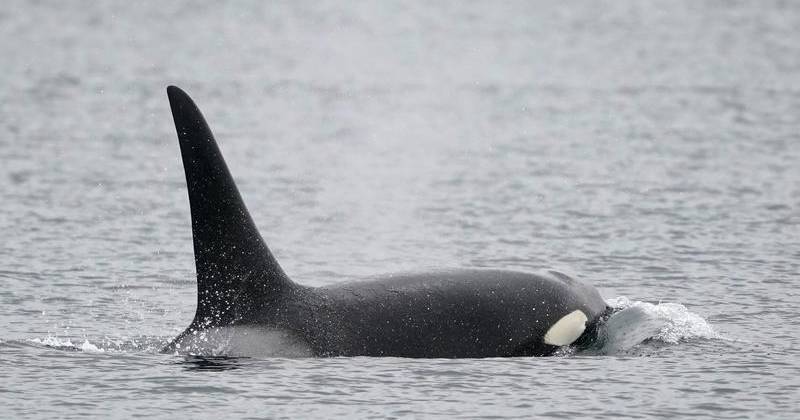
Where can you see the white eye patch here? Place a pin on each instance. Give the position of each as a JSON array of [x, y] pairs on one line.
[[567, 329]]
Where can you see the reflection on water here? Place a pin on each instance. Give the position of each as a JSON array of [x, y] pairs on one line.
[[210, 363]]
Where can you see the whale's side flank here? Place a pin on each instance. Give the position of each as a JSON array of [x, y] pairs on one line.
[[452, 313]]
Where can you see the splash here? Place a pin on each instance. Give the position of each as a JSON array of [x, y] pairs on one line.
[[66, 344], [99, 344], [635, 322]]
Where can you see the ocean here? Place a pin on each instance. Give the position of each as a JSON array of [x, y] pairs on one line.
[[648, 148]]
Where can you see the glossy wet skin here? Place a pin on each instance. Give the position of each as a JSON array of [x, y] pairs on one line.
[[445, 313], [455, 313]]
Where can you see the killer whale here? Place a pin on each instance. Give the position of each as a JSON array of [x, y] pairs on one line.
[[244, 296]]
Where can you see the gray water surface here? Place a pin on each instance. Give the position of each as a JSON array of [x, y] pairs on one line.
[[649, 148]]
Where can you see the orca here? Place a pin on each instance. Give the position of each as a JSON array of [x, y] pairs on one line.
[[246, 303]]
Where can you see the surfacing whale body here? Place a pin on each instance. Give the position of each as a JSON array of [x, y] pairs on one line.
[[247, 305]]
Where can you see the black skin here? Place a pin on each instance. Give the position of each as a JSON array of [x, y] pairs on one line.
[[447, 313], [456, 313]]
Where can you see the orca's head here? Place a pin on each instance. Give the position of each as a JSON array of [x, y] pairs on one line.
[[574, 323], [569, 315], [575, 329]]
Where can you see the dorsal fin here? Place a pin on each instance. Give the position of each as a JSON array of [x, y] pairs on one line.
[[235, 269]]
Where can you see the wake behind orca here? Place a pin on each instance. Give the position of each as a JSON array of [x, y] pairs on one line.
[[247, 301]]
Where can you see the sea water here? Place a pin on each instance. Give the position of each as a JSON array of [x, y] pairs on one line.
[[649, 148]]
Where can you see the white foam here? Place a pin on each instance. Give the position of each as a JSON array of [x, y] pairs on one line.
[[638, 321], [90, 348], [52, 341], [66, 343]]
